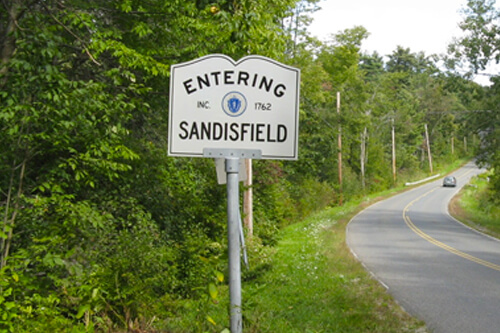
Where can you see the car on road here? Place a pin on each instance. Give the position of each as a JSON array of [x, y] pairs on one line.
[[449, 181]]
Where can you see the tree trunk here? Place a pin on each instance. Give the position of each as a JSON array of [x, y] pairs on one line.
[[8, 223], [7, 35]]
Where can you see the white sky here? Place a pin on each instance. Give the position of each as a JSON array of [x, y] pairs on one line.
[[423, 25]]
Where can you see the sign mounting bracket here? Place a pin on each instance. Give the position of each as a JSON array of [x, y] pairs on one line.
[[254, 154]]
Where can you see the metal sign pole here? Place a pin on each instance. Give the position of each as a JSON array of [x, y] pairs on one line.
[[230, 116], [233, 231]]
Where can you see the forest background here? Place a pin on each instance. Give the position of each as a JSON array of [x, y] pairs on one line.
[[100, 228]]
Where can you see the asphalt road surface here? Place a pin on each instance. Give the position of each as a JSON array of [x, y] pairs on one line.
[[439, 270]]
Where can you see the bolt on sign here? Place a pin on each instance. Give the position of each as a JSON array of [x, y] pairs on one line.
[[219, 103]]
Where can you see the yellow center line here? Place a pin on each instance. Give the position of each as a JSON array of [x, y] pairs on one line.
[[442, 245]]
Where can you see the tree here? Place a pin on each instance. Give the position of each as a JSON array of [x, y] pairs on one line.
[[479, 47], [481, 44], [372, 65], [296, 24], [402, 60], [92, 209]]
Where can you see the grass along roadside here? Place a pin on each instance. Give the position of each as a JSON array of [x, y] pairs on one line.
[[316, 285], [473, 207]]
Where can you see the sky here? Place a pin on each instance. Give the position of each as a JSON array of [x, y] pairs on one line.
[[423, 25]]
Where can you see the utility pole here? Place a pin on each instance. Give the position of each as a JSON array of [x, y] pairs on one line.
[[363, 156], [339, 148], [393, 153], [428, 147], [248, 198]]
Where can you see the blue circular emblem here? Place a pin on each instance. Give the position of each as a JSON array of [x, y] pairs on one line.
[[234, 104]]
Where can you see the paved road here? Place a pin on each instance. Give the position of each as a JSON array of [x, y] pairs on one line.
[[438, 269]]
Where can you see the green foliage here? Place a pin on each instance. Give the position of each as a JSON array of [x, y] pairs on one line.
[[477, 208], [96, 217], [479, 47], [312, 195], [8, 308], [95, 266], [103, 232]]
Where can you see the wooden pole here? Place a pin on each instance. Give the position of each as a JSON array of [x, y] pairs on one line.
[[363, 157], [428, 147], [248, 199], [339, 148], [393, 153]]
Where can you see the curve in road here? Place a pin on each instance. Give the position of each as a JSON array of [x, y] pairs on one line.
[[442, 245], [438, 269]]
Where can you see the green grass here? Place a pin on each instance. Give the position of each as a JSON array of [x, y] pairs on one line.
[[474, 207], [315, 285]]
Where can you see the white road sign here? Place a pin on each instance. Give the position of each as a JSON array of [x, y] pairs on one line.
[[217, 103]]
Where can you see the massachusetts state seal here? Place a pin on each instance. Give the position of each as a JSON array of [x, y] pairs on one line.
[[234, 104]]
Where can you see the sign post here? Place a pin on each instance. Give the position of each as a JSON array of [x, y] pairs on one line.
[[233, 232], [220, 108]]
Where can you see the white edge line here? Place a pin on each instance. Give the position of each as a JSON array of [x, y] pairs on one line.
[[373, 275]]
